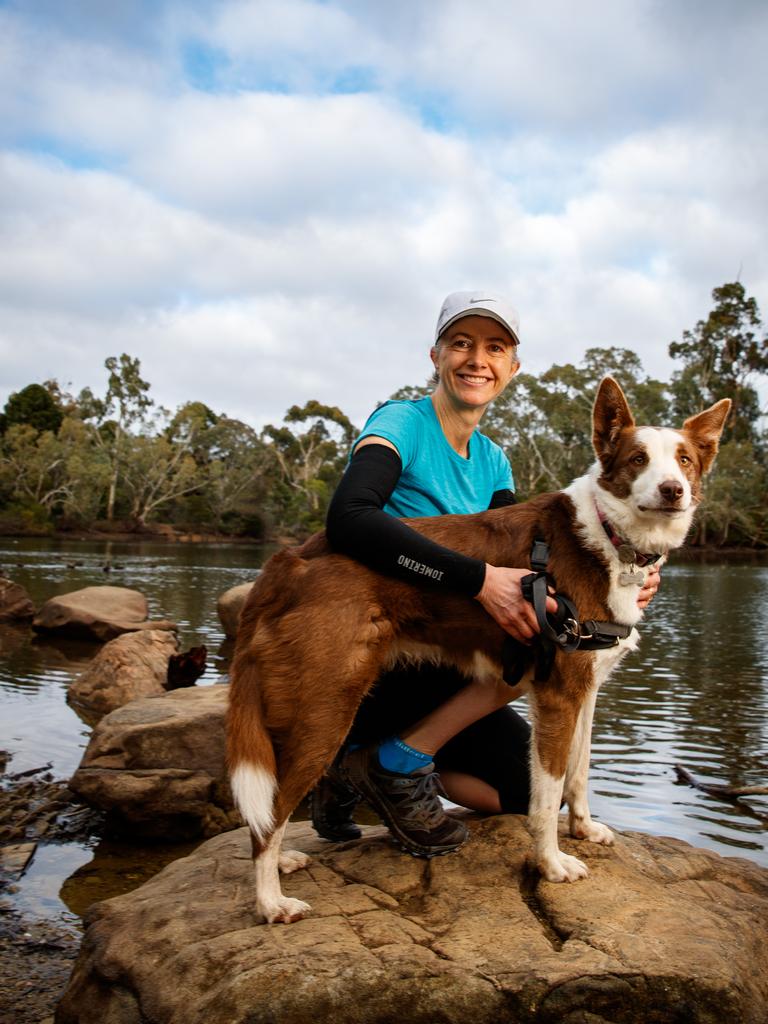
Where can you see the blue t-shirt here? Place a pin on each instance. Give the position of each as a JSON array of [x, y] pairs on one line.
[[436, 480]]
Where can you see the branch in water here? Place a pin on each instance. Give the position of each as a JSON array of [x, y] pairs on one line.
[[683, 775]]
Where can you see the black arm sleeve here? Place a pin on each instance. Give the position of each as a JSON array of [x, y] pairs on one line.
[[500, 499], [358, 526]]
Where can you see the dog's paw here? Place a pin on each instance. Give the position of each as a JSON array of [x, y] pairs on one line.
[[563, 868], [594, 832], [292, 860], [284, 911]]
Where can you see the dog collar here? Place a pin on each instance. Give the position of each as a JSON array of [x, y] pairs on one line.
[[624, 550]]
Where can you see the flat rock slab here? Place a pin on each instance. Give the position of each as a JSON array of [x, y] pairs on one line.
[[96, 613], [156, 766], [15, 603], [130, 666], [15, 858], [660, 932], [229, 606]]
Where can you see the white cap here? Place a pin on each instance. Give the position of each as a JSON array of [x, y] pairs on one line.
[[477, 303]]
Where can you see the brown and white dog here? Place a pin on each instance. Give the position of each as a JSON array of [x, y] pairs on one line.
[[318, 629]]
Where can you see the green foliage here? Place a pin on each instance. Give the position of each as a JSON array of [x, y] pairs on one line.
[[721, 356], [155, 472], [545, 423], [72, 460], [25, 517], [734, 510], [308, 455], [33, 406], [124, 405]]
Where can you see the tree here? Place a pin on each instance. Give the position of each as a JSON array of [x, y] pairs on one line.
[[124, 405], [307, 463], [155, 473], [235, 484], [721, 356], [34, 406], [32, 465], [734, 510], [86, 472], [545, 422]]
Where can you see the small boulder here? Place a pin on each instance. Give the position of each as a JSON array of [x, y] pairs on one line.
[[156, 766], [660, 931], [15, 602], [97, 613], [130, 666], [230, 605]]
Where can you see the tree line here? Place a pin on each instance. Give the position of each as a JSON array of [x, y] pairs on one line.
[[83, 461]]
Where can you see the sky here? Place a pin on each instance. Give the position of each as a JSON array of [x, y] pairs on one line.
[[266, 201]]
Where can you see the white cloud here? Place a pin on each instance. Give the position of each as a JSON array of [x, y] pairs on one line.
[[257, 249]]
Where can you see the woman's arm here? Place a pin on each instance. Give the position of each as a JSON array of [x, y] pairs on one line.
[[358, 526]]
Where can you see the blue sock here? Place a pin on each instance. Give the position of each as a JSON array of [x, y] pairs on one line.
[[396, 756]]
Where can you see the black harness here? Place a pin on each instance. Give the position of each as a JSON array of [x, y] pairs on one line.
[[560, 630]]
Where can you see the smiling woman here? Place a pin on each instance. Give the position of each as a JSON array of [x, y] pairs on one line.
[[418, 459], [475, 358]]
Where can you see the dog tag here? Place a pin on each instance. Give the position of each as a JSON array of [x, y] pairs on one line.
[[626, 579], [626, 553]]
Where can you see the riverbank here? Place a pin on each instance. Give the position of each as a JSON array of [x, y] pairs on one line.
[[121, 531], [36, 954], [36, 960], [165, 532]]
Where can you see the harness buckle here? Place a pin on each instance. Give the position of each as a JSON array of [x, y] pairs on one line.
[[572, 628]]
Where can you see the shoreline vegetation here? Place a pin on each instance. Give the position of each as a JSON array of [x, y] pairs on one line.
[[124, 533], [117, 466]]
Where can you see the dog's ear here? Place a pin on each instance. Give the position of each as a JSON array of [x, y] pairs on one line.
[[705, 429], [611, 414]]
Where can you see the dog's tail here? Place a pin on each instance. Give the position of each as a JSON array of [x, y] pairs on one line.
[[251, 756]]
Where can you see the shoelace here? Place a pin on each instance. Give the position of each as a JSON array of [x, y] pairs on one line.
[[423, 795]]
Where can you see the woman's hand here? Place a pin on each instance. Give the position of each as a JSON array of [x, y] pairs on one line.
[[502, 597], [649, 588]]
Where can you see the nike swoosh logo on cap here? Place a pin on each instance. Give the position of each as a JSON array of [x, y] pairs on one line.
[[474, 302]]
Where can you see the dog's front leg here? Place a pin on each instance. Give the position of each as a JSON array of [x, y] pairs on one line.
[[580, 820], [554, 721]]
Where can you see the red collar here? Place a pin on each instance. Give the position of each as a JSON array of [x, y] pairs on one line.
[[625, 550]]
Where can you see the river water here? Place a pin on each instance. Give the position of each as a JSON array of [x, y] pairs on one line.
[[695, 694]]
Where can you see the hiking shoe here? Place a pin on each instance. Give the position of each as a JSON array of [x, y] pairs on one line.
[[331, 804], [408, 804]]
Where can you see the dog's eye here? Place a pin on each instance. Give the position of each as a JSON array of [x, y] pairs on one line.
[[685, 460], [638, 460]]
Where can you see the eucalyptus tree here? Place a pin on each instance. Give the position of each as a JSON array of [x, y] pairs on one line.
[[722, 357], [544, 422], [124, 406], [308, 454]]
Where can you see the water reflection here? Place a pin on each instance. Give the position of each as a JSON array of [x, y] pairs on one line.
[[115, 868], [695, 694], [180, 582]]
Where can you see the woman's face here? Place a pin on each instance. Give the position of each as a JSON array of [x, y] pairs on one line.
[[476, 358]]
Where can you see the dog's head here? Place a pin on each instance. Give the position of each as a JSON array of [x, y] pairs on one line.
[[653, 472]]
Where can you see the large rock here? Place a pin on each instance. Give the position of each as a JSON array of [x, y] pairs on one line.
[[15, 602], [97, 613], [660, 932], [157, 766], [130, 666], [230, 605]]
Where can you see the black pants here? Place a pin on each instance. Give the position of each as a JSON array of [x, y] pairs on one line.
[[494, 749]]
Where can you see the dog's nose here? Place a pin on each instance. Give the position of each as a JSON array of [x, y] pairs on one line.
[[671, 490]]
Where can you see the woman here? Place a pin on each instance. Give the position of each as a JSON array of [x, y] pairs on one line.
[[418, 459]]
